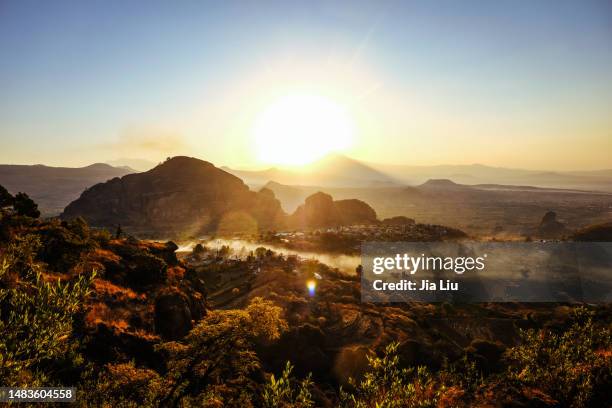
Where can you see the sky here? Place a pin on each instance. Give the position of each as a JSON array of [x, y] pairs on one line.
[[518, 83]]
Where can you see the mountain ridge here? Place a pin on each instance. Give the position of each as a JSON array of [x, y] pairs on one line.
[[54, 187]]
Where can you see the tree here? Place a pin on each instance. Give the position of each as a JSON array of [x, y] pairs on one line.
[[6, 199], [25, 206]]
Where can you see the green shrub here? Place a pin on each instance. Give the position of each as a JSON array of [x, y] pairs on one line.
[[386, 385], [285, 393], [36, 318]]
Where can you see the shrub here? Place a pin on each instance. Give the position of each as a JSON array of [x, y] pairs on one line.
[[36, 318], [285, 393], [63, 243], [386, 385], [569, 364], [216, 361], [122, 385]]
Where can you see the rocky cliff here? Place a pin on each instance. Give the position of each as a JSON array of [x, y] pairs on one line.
[[183, 195]]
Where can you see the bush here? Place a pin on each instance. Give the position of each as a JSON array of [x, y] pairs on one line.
[[63, 243], [122, 385], [572, 365], [36, 318], [216, 362], [386, 385], [285, 393]]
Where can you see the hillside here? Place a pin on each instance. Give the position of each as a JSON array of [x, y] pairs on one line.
[[54, 187], [133, 323]]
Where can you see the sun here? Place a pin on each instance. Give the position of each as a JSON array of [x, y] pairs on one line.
[[298, 129]]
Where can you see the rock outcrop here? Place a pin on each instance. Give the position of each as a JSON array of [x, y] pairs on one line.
[[183, 195], [174, 314], [550, 228], [320, 210]]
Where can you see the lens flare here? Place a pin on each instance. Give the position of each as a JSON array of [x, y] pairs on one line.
[[312, 286]]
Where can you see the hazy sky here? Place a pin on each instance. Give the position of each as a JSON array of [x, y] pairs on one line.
[[508, 83]]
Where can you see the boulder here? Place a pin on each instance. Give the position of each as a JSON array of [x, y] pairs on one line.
[[173, 318]]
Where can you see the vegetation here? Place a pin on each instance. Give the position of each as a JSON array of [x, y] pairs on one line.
[[63, 324], [285, 392], [387, 385], [572, 365], [38, 345], [215, 363], [25, 206]]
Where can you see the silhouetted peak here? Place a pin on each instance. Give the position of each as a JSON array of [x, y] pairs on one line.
[[442, 184], [99, 166], [181, 163], [550, 216]]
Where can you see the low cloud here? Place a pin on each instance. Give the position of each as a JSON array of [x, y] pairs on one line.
[[148, 141]]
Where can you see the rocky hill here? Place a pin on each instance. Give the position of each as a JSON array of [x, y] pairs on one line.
[[180, 196], [54, 187], [320, 210]]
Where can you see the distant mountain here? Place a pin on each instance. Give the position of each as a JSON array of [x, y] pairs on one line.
[[333, 170], [136, 164], [183, 195], [599, 180], [442, 185], [337, 171], [54, 187]]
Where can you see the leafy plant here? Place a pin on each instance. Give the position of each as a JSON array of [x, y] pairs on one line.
[[387, 385], [284, 393], [572, 365], [36, 317]]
